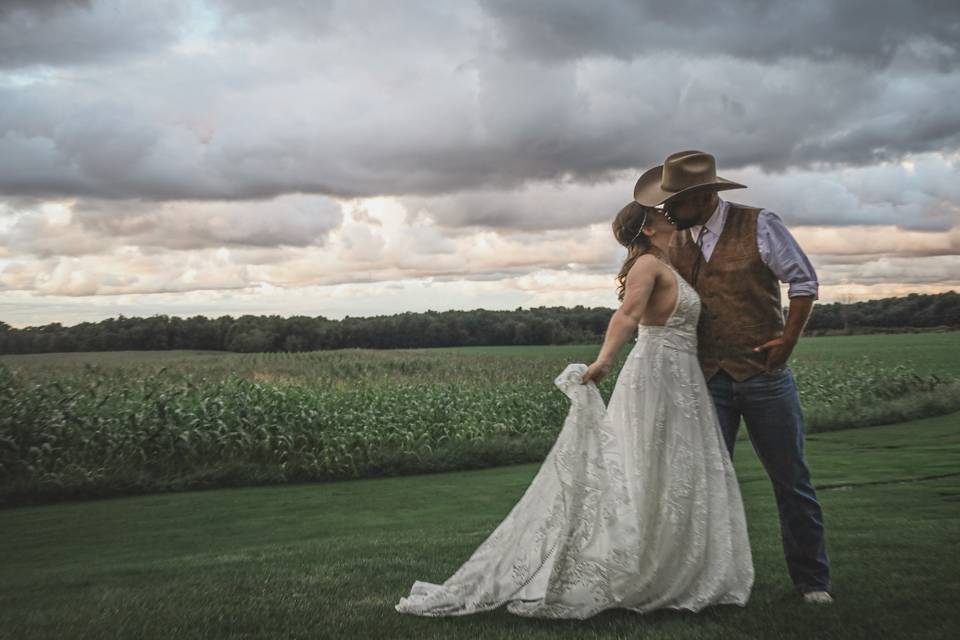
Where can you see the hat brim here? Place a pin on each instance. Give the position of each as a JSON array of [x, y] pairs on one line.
[[648, 192]]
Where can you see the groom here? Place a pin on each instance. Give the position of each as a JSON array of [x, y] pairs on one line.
[[736, 256]]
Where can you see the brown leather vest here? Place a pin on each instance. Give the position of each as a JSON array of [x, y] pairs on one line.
[[739, 294]]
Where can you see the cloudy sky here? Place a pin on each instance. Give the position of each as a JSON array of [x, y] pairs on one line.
[[363, 158]]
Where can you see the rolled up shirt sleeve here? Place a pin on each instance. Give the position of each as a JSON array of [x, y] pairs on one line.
[[783, 255]]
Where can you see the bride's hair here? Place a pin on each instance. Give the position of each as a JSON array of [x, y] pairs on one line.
[[627, 226]]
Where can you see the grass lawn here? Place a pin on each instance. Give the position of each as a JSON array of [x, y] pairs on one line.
[[330, 560]]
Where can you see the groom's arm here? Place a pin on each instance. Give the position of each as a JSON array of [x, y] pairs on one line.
[[779, 349], [783, 255], [797, 316]]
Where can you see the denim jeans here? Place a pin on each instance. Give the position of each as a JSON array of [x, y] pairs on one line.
[[770, 407]]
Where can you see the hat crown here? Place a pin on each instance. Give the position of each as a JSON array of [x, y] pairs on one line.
[[682, 174], [687, 169]]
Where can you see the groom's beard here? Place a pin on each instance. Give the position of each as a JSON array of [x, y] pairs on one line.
[[686, 223]]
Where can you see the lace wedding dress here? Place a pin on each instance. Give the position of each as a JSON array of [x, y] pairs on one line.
[[636, 506]]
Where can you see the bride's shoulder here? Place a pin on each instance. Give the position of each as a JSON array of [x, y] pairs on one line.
[[643, 262], [646, 271], [647, 264]]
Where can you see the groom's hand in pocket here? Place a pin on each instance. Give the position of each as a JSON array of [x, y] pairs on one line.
[[778, 352]]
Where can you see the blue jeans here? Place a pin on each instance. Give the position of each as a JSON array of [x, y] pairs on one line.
[[770, 406]]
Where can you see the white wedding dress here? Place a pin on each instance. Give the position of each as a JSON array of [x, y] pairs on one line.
[[636, 506]]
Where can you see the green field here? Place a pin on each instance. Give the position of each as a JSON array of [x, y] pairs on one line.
[[929, 352], [937, 353], [96, 424], [329, 560]]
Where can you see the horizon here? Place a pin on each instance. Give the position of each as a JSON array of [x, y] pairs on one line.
[[225, 157], [387, 315]]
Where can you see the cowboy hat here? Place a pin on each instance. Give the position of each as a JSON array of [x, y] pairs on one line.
[[681, 174]]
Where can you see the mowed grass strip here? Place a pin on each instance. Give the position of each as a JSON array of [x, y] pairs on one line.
[[329, 560]]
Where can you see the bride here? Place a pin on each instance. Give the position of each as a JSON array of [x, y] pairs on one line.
[[636, 506]]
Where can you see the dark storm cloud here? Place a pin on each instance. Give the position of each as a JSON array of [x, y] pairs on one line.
[[259, 19], [866, 30], [38, 7], [99, 226], [461, 107], [70, 32]]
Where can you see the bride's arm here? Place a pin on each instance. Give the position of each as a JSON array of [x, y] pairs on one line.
[[638, 287]]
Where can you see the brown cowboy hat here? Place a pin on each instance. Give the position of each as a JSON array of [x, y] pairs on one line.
[[681, 174]]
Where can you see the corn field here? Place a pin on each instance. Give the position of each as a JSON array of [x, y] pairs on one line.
[[134, 423]]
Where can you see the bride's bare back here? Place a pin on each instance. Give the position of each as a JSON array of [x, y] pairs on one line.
[[650, 291]]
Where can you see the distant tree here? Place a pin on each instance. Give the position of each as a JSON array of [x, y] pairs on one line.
[[537, 325], [294, 343]]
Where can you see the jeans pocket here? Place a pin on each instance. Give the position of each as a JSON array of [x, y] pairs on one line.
[[776, 375]]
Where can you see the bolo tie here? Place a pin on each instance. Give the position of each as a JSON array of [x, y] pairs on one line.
[[696, 263]]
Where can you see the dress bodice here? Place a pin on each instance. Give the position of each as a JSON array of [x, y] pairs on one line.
[[680, 329]]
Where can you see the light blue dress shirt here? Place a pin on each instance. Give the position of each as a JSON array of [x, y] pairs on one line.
[[778, 249]]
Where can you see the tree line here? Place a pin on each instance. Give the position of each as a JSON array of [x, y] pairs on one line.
[[478, 327], [914, 311]]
